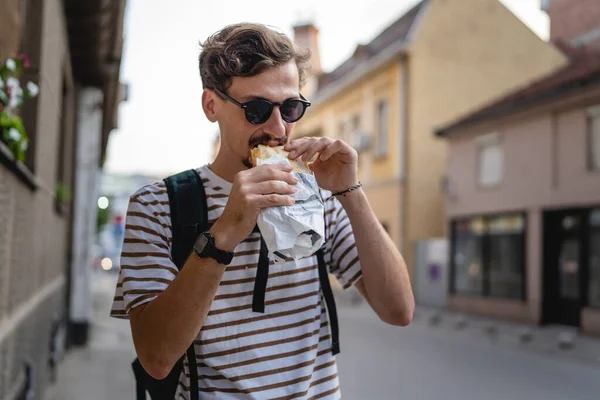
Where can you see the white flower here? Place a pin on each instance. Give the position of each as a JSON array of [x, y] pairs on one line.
[[15, 92], [11, 64], [13, 83], [33, 89], [14, 134], [16, 98], [24, 145]]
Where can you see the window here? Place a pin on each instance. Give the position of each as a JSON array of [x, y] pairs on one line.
[[32, 21], [66, 128], [382, 129], [491, 160], [506, 261], [356, 123], [342, 131], [467, 257], [594, 260], [488, 256], [594, 138]]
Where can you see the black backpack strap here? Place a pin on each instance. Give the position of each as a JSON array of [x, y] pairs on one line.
[[189, 217], [189, 214], [140, 387], [329, 301], [260, 282]]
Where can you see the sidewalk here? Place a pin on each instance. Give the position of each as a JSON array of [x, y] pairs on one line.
[[101, 370], [554, 340]]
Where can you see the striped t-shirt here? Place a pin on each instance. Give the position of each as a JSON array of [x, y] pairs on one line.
[[284, 353]]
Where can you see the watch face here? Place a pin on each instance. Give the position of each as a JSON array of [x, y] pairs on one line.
[[201, 243]]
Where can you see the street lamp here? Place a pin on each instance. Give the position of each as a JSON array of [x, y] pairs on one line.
[[103, 203]]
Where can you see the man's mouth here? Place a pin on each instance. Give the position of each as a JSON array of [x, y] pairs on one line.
[[268, 141]]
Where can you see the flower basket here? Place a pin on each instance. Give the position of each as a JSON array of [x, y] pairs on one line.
[[12, 96]]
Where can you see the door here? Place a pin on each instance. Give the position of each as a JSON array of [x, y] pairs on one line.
[[565, 266]]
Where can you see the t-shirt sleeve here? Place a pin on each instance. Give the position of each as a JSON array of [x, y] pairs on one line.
[[146, 265], [341, 252]]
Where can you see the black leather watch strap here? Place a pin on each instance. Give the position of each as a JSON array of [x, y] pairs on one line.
[[210, 250]]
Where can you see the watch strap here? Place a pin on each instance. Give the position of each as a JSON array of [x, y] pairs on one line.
[[210, 250]]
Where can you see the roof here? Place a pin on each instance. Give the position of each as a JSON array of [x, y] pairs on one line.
[[388, 39], [582, 71]]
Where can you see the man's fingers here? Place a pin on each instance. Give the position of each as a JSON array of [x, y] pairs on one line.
[[271, 200], [270, 187], [308, 147], [265, 173], [330, 150]]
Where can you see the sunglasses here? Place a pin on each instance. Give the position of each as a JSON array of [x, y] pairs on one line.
[[259, 111]]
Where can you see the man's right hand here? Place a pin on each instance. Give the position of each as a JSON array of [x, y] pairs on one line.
[[254, 189]]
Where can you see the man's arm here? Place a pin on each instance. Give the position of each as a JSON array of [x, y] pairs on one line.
[[385, 281], [164, 328]]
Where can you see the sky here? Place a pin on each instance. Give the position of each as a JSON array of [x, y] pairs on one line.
[[162, 128]]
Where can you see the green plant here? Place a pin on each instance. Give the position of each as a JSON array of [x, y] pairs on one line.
[[13, 134], [63, 193], [103, 218], [12, 96]]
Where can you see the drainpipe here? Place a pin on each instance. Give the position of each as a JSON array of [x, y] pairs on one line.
[[403, 153]]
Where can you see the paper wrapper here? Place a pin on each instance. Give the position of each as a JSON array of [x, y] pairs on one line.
[[294, 231]]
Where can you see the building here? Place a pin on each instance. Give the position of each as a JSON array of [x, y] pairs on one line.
[[439, 60], [74, 50], [523, 196]]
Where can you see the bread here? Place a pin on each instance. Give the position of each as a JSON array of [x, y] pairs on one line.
[[263, 152]]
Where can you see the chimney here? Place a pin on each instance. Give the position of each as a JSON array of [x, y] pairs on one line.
[[576, 22], [306, 36]]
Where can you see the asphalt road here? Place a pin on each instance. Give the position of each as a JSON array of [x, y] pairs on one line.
[[377, 362], [422, 363]]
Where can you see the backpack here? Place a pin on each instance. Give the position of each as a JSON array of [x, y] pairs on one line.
[[189, 218]]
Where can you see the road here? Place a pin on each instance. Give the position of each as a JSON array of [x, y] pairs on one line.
[[377, 362], [421, 363]]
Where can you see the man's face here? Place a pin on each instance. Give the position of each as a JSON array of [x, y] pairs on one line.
[[238, 136]]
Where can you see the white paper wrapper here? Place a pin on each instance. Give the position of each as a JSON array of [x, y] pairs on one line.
[[294, 231]]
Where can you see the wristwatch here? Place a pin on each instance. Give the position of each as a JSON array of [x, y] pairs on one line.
[[204, 247]]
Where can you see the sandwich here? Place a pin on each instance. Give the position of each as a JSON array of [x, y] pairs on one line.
[[263, 152]]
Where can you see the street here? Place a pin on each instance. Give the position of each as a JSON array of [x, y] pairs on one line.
[[421, 362], [381, 362]]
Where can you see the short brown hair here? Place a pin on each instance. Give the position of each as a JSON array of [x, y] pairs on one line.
[[247, 49]]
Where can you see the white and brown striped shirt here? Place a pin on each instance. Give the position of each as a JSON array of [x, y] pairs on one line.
[[284, 353]]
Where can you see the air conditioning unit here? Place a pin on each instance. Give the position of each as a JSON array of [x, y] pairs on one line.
[[360, 141]]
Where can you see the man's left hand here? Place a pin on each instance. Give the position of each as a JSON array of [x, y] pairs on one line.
[[336, 167]]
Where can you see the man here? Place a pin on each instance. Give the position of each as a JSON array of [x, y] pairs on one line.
[[252, 78]]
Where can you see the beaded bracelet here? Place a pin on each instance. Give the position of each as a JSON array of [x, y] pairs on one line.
[[350, 189]]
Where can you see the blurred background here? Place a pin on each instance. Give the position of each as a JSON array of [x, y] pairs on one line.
[[477, 124]]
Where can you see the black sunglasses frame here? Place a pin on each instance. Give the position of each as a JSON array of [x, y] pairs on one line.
[[244, 106]]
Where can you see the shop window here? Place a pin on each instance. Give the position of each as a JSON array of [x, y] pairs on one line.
[[594, 259], [506, 250], [488, 256]]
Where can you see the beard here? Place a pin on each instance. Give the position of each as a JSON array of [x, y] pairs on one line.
[[247, 163]]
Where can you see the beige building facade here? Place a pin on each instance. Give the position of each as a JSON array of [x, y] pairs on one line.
[[438, 61]]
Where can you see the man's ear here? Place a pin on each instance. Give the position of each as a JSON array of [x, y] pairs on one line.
[[209, 105]]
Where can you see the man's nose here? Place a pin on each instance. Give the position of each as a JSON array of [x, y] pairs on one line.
[[275, 125]]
